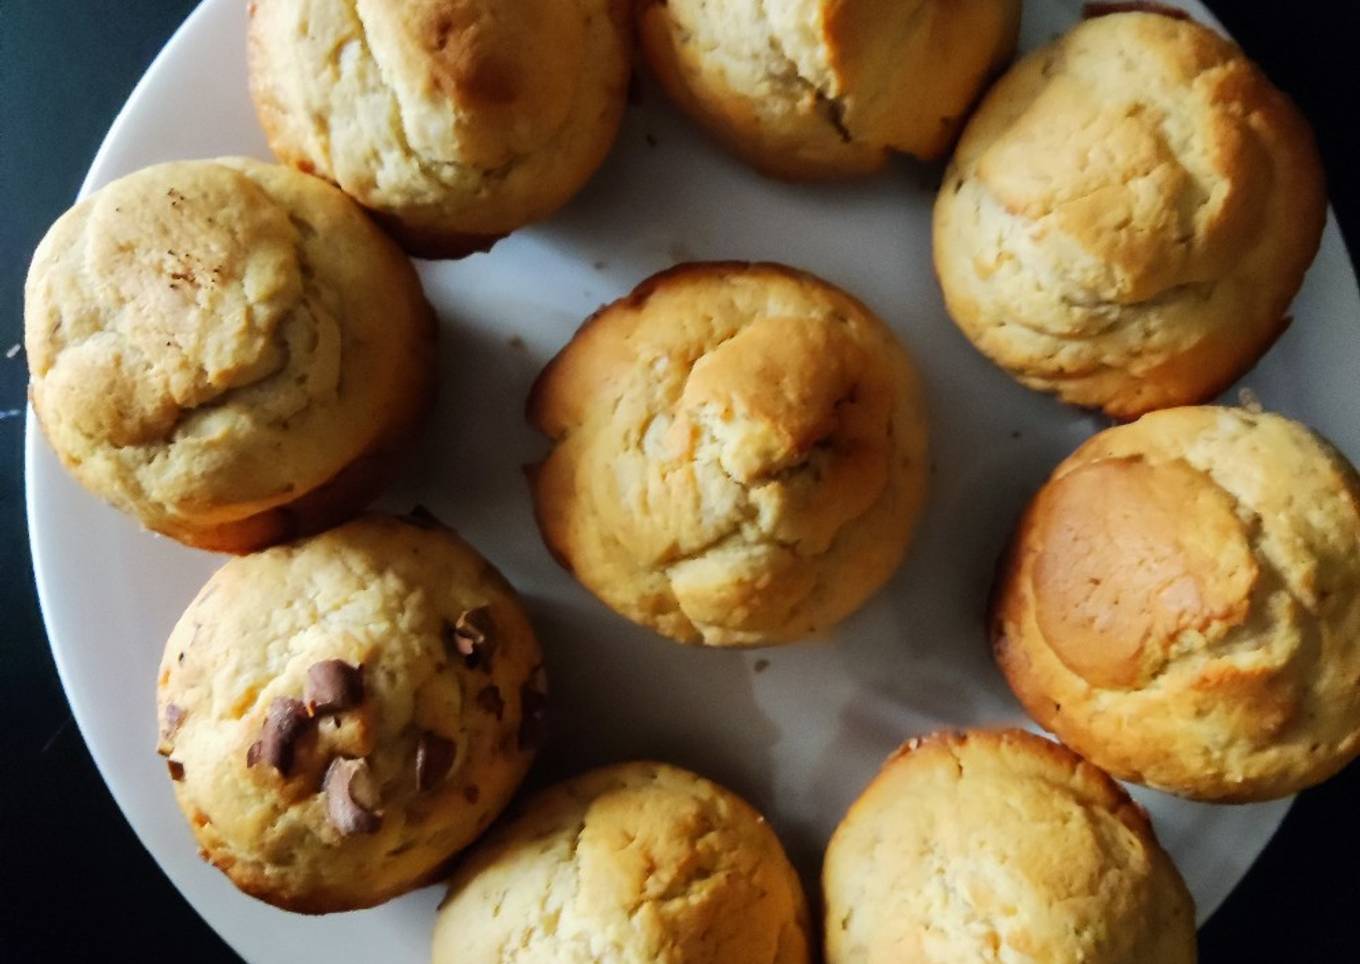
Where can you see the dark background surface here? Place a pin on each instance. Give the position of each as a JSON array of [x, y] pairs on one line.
[[76, 885]]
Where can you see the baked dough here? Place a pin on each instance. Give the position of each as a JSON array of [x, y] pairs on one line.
[[999, 847], [342, 715], [827, 88], [228, 350], [455, 121], [739, 454], [1128, 216], [638, 863], [1181, 604]]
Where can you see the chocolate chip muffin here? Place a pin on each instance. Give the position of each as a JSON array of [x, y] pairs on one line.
[[827, 88], [1000, 846], [739, 454], [228, 350], [342, 715], [1181, 604], [632, 864], [455, 121], [1129, 214]]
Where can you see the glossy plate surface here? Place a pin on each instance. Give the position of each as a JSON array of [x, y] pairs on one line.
[[798, 730]]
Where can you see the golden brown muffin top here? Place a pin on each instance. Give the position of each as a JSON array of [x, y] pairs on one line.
[[342, 714], [1129, 213], [739, 453], [462, 115], [1182, 604], [208, 339], [812, 88], [1000, 846], [633, 863]]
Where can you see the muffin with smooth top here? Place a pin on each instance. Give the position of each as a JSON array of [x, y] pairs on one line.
[[1129, 215], [637, 863], [1000, 847], [821, 89], [455, 121], [1181, 604], [342, 715], [739, 454], [228, 350]]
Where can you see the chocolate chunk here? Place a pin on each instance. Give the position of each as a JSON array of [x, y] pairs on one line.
[[434, 759], [284, 723], [489, 699], [351, 798], [472, 637], [174, 718], [471, 794], [422, 518], [176, 770], [333, 685], [533, 708]]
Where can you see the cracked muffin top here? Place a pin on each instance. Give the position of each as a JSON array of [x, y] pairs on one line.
[[456, 121], [637, 863], [343, 714], [1128, 215], [739, 454], [815, 88], [1181, 604], [226, 349], [1000, 847]]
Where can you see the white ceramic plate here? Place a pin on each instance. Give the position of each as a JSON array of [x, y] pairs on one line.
[[798, 730]]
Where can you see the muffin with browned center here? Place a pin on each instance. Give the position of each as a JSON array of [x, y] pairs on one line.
[[342, 715], [738, 454], [1181, 604], [228, 350]]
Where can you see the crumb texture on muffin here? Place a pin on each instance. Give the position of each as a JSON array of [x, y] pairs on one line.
[[739, 454], [1181, 604], [1000, 847], [456, 118], [812, 88], [343, 714], [211, 340], [634, 863], [1128, 215]]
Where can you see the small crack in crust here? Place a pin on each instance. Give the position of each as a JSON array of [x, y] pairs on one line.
[[1128, 215], [739, 454], [455, 121], [1179, 604]]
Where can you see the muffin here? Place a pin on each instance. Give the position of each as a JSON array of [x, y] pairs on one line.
[[1181, 605], [342, 715], [632, 864], [827, 89], [739, 454], [227, 350], [455, 121], [1128, 216], [997, 846]]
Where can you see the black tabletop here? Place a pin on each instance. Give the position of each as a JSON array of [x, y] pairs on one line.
[[76, 883]]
